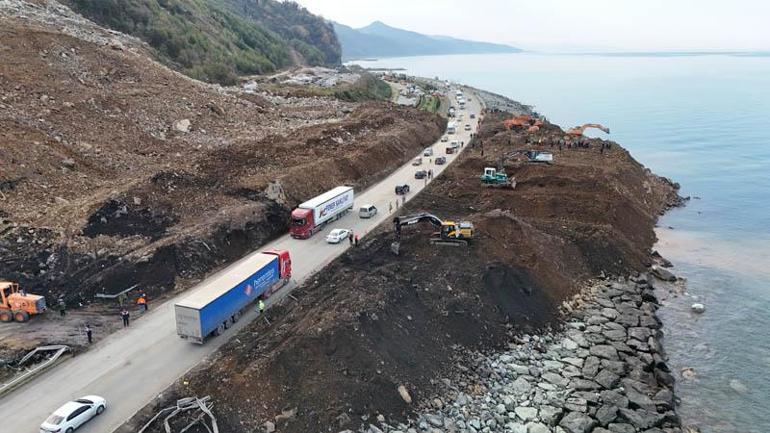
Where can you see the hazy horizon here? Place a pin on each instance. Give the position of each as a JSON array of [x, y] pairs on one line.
[[563, 25]]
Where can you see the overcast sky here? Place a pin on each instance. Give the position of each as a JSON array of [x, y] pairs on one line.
[[571, 24]]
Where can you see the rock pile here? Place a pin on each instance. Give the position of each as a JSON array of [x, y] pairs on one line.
[[605, 372]]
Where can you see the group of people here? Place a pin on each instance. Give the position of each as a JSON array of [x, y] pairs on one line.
[[353, 239]]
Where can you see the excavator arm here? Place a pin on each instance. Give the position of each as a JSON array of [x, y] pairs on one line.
[[401, 221], [579, 130]]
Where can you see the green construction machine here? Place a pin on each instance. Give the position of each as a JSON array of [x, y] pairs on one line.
[[495, 178]]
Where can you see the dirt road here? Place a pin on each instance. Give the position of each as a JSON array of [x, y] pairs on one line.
[[132, 366]]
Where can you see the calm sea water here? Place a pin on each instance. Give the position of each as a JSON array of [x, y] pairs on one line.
[[703, 121]]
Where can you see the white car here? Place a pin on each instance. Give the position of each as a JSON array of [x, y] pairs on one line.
[[467, 127], [444, 139], [74, 414], [337, 235]]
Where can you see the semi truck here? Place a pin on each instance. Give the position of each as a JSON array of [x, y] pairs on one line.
[[311, 216], [213, 307]]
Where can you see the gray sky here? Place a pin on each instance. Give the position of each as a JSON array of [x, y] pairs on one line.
[[571, 24]]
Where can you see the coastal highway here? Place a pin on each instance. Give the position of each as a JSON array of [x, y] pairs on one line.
[[134, 365]]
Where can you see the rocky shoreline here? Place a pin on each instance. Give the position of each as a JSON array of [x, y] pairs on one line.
[[604, 372]]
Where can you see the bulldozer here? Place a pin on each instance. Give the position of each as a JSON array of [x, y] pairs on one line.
[[450, 233], [523, 121], [16, 305], [496, 178]]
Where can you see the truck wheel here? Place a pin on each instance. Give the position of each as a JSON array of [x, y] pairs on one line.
[[236, 316], [5, 316], [229, 322], [220, 329], [20, 316]]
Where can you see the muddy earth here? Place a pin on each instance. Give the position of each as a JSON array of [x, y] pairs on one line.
[[371, 322], [116, 172]]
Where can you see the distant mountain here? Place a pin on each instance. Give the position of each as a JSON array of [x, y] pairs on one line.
[[381, 40]]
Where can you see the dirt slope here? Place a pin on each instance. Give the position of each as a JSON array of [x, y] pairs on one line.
[[115, 170], [373, 321]]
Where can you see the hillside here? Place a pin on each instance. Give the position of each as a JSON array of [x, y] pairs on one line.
[[216, 40], [380, 40]]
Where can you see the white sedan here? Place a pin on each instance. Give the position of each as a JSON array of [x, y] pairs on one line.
[[74, 414], [337, 235]]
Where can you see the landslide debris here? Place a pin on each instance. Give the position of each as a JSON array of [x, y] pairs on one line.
[[116, 171], [373, 327]]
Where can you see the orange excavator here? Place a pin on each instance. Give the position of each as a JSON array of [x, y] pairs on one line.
[[17, 305], [523, 121], [578, 130]]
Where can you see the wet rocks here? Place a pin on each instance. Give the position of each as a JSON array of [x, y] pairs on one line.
[[605, 372]]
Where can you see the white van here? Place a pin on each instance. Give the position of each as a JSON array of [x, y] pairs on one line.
[[428, 152], [367, 211]]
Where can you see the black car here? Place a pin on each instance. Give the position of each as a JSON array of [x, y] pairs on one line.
[[440, 160], [420, 174], [402, 189]]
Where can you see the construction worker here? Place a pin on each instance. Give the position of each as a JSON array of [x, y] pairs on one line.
[[122, 298], [142, 302], [89, 334], [356, 242], [62, 307], [125, 316], [261, 306], [390, 207], [350, 237]]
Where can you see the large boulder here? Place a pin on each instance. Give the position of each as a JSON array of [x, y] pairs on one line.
[[576, 422]]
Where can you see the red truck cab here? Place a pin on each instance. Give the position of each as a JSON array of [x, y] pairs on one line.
[[284, 262], [302, 223]]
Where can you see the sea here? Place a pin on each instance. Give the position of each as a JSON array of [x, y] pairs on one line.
[[702, 120]]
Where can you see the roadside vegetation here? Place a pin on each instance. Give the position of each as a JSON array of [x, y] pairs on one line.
[[429, 103], [366, 88], [217, 40]]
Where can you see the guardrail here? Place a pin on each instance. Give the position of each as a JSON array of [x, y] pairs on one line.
[[58, 349]]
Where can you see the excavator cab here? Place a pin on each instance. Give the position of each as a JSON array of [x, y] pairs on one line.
[[452, 230], [17, 305]]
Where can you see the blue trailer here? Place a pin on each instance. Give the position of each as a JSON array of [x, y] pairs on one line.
[[217, 303]]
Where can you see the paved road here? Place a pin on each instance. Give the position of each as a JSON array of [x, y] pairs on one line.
[[134, 365]]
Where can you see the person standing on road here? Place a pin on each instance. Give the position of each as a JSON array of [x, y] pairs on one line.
[[62, 307], [89, 334], [122, 298], [403, 199], [390, 207], [142, 302], [261, 307], [356, 243], [125, 316], [350, 237]]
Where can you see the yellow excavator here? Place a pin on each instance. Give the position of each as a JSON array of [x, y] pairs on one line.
[[579, 130], [450, 233]]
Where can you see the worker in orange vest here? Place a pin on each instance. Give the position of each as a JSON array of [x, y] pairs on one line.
[[142, 301]]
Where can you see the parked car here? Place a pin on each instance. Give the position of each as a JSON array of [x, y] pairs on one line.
[[467, 127], [420, 174], [427, 152], [444, 139], [73, 414], [402, 189], [337, 235], [367, 211], [441, 160], [473, 115], [417, 161], [450, 150]]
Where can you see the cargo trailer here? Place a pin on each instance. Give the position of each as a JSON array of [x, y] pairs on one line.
[[311, 216]]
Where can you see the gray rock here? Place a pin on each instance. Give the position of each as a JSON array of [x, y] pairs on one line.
[[569, 344], [639, 333], [521, 387], [475, 423], [663, 274], [614, 398], [68, 162], [373, 429], [651, 322], [583, 384], [698, 308], [628, 318], [435, 420], [269, 426], [604, 351], [610, 313], [664, 398], [641, 418], [616, 334], [516, 427], [637, 345], [576, 404], [597, 320], [621, 428], [536, 427], [571, 371], [577, 362], [606, 414], [182, 125], [622, 347], [637, 400], [526, 413], [600, 430], [591, 367], [550, 414], [576, 422], [607, 379], [555, 379]]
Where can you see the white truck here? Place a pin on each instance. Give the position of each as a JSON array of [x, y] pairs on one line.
[[451, 128], [311, 216]]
